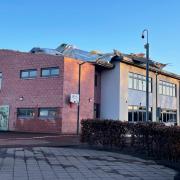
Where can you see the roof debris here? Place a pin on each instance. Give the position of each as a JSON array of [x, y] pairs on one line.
[[102, 59]]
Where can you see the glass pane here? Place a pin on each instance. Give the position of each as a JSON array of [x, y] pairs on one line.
[[144, 85], [160, 89], [130, 74], [171, 118], [168, 117], [150, 87], [129, 116], [140, 85], [45, 72], [24, 74], [135, 116], [30, 112], [174, 91], [144, 116], [164, 117], [21, 112], [43, 112], [135, 84], [150, 116], [26, 112], [164, 90], [167, 90], [130, 83], [140, 116], [33, 73], [55, 71], [170, 91], [139, 76], [170, 85], [52, 113], [175, 117]]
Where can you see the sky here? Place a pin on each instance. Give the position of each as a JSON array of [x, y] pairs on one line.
[[101, 25]]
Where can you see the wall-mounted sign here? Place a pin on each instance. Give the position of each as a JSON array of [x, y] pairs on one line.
[[74, 98]]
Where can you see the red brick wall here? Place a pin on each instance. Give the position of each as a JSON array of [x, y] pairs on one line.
[[38, 125], [38, 92], [45, 92], [71, 76]]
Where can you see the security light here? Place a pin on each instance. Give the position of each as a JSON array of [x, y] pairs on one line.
[[21, 98]]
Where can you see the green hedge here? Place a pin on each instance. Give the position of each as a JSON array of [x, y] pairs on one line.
[[152, 138]]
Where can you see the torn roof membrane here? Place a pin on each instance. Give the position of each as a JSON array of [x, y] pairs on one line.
[[71, 51], [103, 59], [37, 50]]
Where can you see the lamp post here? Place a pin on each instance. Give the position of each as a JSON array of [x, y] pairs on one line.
[[146, 46]]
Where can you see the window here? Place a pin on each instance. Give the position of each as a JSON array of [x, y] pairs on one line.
[[166, 88], [28, 74], [130, 82], [138, 114], [0, 80], [137, 81], [50, 72], [26, 112], [168, 115], [174, 90], [48, 112]]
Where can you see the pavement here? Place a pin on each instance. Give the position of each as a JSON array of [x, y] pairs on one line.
[[52, 163], [17, 139], [33, 156]]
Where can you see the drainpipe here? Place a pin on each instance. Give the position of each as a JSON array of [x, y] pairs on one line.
[[79, 92], [157, 118]]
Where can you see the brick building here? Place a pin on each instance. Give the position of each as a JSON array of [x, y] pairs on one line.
[[35, 89]]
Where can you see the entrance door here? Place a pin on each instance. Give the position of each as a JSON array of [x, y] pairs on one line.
[[4, 116]]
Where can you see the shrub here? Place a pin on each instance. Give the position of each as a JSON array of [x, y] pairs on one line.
[[104, 132], [152, 138]]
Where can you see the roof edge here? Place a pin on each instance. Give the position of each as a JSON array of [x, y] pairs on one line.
[[175, 76]]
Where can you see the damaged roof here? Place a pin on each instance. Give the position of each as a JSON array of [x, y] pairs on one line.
[[104, 59], [75, 53]]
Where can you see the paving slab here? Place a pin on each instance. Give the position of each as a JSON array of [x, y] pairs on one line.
[[47, 163]]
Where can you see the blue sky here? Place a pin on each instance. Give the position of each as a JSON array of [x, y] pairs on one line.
[[94, 25]]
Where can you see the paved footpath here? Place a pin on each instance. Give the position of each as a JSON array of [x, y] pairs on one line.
[[13, 139], [47, 163]]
